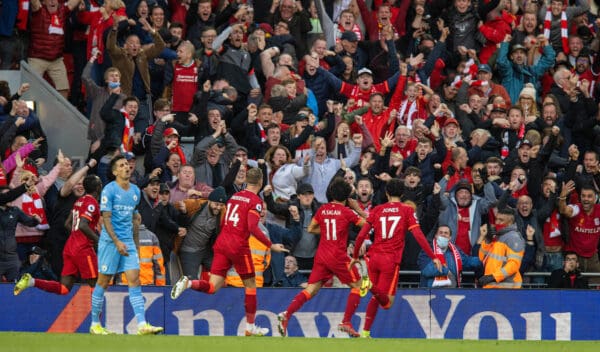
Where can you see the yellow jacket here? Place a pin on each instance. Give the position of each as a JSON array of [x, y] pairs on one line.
[[261, 257], [502, 258], [152, 266]]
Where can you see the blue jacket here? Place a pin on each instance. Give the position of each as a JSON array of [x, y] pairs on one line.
[[429, 272], [479, 206], [515, 76]]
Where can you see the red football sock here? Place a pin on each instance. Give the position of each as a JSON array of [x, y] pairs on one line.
[[51, 286], [372, 308], [250, 305], [298, 302], [352, 304], [203, 286]]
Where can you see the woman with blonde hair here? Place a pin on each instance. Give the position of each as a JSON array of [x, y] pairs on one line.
[[527, 102], [283, 174]]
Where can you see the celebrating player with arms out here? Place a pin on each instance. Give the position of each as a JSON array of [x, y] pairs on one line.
[[232, 249], [78, 255], [332, 220], [390, 222], [117, 246]]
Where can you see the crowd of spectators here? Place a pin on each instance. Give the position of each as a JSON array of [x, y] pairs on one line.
[[482, 108]]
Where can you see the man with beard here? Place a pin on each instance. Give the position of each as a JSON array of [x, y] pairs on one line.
[[584, 225], [462, 212], [514, 71], [501, 253], [196, 249]]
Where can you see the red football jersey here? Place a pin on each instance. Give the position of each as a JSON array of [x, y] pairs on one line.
[[85, 207], [334, 219], [585, 231], [391, 221], [234, 230]]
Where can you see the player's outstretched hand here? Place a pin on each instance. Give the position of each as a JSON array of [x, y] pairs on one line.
[[278, 247]]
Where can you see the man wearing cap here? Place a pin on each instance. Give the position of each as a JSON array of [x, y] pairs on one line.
[[362, 91], [306, 246], [148, 207], [462, 211], [484, 86], [502, 252], [196, 247], [348, 46], [513, 68]]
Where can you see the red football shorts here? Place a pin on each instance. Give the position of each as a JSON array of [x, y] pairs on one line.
[[382, 274], [325, 271], [241, 262], [85, 263]]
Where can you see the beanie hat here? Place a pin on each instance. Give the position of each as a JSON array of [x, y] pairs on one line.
[[528, 90], [218, 195], [463, 184]]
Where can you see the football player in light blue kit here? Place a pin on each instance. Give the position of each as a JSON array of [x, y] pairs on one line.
[[117, 246]]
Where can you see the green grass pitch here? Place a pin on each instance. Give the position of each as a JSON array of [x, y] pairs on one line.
[[18, 341]]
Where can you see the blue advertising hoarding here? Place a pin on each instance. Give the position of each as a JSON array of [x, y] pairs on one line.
[[416, 313]]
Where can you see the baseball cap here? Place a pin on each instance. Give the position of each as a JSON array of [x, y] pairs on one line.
[[451, 120], [164, 188], [129, 156], [484, 68], [304, 188], [523, 142], [170, 132], [301, 117], [350, 36], [150, 181], [365, 70], [517, 47]]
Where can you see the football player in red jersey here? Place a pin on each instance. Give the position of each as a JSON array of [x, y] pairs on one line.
[[79, 255], [232, 249], [332, 222], [390, 222]]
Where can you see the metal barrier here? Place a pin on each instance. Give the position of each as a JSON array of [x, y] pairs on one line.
[[410, 279]]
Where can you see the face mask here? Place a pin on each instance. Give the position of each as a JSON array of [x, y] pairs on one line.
[[499, 227], [442, 242], [113, 85]]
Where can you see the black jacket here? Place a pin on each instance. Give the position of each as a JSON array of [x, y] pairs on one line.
[[561, 279]]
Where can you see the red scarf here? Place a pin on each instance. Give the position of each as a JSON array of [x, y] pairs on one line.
[[127, 140], [564, 31], [443, 280], [179, 151], [33, 205]]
